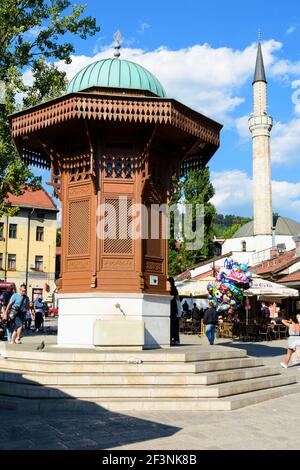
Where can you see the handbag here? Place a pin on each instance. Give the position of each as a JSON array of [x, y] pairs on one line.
[[15, 312]]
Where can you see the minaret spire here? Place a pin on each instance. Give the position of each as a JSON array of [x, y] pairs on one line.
[[259, 74], [260, 125]]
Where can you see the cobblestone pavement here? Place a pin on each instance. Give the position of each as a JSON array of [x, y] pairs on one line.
[[269, 425]]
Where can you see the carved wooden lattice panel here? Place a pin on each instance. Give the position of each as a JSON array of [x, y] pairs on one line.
[[117, 220], [122, 167], [79, 222]]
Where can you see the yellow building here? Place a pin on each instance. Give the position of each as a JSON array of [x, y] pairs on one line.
[[28, 243]]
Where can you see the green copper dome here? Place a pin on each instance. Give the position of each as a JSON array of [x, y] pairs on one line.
[[116, 73]]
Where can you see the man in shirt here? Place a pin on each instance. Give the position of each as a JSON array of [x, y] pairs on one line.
[[18, 303], [210, 320], [265, 312]]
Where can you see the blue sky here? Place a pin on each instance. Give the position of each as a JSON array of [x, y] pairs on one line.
[[204, 55]]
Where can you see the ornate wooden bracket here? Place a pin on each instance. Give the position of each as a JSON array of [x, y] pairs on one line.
[[55, 179], [55, 172], [92, 171], [145, 160]]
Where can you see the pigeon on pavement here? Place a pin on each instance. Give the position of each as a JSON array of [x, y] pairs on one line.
[[41, 346]]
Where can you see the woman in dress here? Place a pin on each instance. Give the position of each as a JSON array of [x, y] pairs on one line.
[[294, 338]]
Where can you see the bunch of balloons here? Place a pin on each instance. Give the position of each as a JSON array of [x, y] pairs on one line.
[[226, 292]]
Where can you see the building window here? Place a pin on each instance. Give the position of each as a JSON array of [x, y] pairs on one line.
[[11, 262], [39, 263], [12, 230], [1, 261], [40, 234], [244, 246], [1, 230]]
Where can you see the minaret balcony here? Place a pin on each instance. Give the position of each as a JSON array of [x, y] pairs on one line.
[[260, 122]]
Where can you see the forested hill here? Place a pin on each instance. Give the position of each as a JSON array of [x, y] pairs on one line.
[[226, 225]]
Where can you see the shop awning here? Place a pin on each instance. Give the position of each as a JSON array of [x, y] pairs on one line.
[[264, 289], [194, 288], [261, 288]]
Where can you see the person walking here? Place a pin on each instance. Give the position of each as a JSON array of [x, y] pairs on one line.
[[38, 314], [5, 301], [294, 338], [210, 321], [15, 312], [174, 334]]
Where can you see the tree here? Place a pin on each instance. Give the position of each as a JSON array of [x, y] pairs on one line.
[[193, 189], [31, 32], [58, 237]]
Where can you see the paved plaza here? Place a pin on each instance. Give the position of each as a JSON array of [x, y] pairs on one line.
[[273, 424]]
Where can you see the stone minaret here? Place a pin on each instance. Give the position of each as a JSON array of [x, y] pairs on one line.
[[260, 125]]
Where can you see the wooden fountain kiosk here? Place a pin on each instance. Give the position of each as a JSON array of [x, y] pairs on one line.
[[116, 139]]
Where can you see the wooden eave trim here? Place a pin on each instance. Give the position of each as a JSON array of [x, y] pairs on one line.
[[135, 109]]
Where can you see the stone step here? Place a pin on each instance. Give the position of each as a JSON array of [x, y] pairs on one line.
[[27, 365], [138, 379], [151, 404], [95, 392], [159, 356]]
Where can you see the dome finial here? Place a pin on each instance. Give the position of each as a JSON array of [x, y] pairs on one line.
[[118, 40]]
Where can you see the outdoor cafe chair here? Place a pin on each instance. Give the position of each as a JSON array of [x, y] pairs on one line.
[[265, 332]]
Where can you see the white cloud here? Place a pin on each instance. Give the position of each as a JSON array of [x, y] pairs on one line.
[[205, 78], [291, 30], [242, 128], [35, 31], [234, 194], [285, 142], [286, 197], [28, 77], [143, 27]]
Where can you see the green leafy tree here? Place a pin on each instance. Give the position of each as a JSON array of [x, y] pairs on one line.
[[58, 237], [193, 189], [32, 33]]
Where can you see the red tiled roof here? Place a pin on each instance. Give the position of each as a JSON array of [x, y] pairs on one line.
[[29, 198], [203, 275], [185, 274], [276, 264], [291, 277]]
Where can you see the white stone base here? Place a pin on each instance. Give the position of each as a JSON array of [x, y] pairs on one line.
[[120, 333], [78, 313]]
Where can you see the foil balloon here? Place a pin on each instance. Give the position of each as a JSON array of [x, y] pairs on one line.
[[231, 281]]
